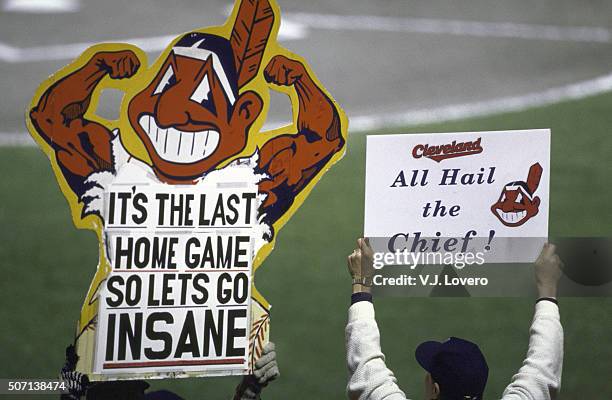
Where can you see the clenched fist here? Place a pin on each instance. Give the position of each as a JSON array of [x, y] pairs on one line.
[[118, 64], [283, 71]]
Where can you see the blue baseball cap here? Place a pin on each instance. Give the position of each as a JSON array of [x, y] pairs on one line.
[[457, 366]]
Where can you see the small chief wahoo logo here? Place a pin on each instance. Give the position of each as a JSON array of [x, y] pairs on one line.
[[517, 204]]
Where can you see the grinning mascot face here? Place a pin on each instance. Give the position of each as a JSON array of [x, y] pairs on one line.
[[517, 204], [190, 117]]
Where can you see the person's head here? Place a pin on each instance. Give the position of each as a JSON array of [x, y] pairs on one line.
[[456, 369]]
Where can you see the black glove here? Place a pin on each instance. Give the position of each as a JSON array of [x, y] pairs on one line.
[[76, 382]]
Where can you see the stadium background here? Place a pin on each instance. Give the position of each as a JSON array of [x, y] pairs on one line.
[[396, 67]]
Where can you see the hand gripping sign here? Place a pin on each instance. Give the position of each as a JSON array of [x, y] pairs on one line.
[[184, 191]]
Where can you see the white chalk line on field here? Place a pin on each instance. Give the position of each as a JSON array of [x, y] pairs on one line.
[[15, 139], [41, 6], [296, 26], [500, 105], [364, 123], [454, 27], [12, 54]]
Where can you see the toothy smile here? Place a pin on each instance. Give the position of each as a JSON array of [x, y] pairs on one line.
[[511, 217], [178, 146]]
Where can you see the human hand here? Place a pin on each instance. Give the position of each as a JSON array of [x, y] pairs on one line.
[[360, 266], [266, 367], [265, 371], [548, 271], [76, 382]]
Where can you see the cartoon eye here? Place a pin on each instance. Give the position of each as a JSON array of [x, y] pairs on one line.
[[167, 80], [519, 198], [202, 91], [203, 96]]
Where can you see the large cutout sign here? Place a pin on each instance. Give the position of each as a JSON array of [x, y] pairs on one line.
[[184, 191]]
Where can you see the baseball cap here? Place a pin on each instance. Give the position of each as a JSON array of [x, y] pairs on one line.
[[457, 365]]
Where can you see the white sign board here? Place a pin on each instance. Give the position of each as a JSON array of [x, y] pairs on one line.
[[470, 186], [178, 296]]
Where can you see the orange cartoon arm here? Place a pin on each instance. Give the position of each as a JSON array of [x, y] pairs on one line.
[[81, 146], [291, 161]]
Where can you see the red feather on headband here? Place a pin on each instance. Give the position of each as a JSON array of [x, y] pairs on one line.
[[249, 37]]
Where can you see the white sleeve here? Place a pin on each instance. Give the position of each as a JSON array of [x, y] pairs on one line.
[[369, 376], [540, 376]]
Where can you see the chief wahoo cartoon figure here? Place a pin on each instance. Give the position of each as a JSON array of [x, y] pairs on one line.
[[193, 115], [517, 203]]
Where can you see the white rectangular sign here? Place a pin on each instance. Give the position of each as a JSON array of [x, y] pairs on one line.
[[178, 297], [462, 188]]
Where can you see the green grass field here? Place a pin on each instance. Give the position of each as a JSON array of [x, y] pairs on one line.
[[47, 265]]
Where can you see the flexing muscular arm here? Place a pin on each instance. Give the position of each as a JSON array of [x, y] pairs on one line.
[[292, 160], [81, 146]]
